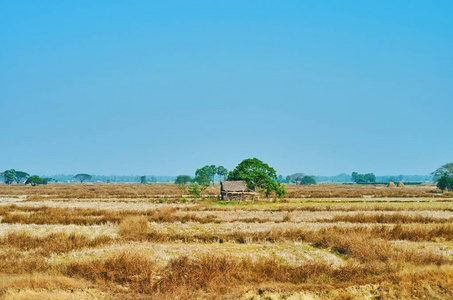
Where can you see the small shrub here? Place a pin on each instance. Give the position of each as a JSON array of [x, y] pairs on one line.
[[195, 190]]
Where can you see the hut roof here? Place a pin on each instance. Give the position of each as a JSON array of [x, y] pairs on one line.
[[233, 186]]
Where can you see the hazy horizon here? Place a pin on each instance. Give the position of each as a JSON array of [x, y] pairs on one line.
[[192, 175]]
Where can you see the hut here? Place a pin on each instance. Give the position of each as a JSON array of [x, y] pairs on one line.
[[235, 190], [400, 184], [391, 184]]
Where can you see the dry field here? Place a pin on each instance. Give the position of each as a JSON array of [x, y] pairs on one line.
[[126, 241]]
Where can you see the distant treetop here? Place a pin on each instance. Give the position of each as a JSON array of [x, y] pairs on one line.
[[82, 177]]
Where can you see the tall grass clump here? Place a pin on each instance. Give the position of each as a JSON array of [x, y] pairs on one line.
[[134, 228], [56, 242], [130, 268]]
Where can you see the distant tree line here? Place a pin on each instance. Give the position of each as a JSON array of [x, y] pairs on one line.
[[210, 173], [115, 178], [12, 176], [343, 177], [361, 178], [298, 178]]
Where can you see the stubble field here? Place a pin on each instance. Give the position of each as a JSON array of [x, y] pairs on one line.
[[119, 241]]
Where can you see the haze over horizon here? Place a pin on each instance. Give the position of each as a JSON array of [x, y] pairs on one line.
[[164, 88]]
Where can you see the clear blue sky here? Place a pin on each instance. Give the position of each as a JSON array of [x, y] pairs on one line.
[[165, 87]]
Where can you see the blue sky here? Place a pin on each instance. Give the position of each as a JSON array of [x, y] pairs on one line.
[[165, 87]]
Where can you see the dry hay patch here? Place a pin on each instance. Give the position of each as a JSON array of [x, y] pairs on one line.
[[45, 286], [45, 294], [41, 281], [92, 231], [293, 253]]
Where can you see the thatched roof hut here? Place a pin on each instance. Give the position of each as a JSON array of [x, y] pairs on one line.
[[391, 184], [400, 184], [233, 186], [234, 190]]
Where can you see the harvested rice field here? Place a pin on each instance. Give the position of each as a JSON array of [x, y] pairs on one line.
[[113, 241]]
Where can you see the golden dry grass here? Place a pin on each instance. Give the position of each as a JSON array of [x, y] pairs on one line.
[[341, 248], [87, 191], [171, 191], [134, 228]]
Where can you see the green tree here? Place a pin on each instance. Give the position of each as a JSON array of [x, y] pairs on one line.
[[446, 169], [357, 178], [46, 180], [9, 176], [288, 179], [444, 177], [294, 178], [307, 180], [143, 180], [34, 180], [20, 176], [258, 176], [82, 177], [370, 177], [183, 179], [363, 178], [205, 175], [201, 180], [221, 171], [445, 182]]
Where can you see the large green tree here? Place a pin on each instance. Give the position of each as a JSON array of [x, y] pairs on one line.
[[201, 180], [82, 177], [205, 175], [445, 182], [258, 176], [34, 180], [9, 176], [21, 175], [446, 169]]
